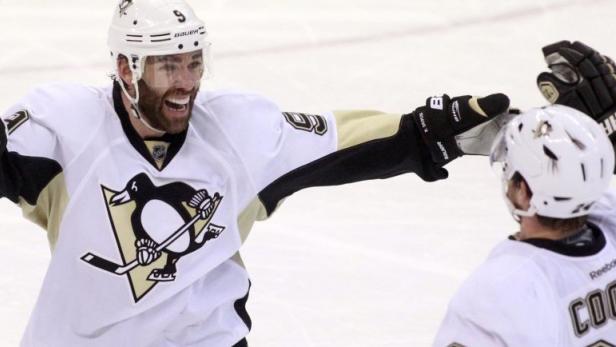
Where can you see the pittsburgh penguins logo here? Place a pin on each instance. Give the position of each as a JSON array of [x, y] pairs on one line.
[[124, 5], [154, 228]]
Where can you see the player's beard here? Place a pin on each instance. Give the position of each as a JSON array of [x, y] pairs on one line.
[[152, 107]]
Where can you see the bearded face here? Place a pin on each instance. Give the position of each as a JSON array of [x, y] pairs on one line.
[[168, 89]]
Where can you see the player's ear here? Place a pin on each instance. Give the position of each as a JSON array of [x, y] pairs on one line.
[[519, 193], [524, 194], [125, 73]]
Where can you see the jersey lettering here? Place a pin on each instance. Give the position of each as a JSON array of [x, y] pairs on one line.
[[611, 298], [601, 343], [600, 306]]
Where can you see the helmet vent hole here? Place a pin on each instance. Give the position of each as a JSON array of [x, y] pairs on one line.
[[549, 153], [181, 46], [520, 127], [196, 43], [583, 172], [135, 22], [577, 142], [561, 198]]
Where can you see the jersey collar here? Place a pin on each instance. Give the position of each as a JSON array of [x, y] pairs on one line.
[[175, 140], [590, 243]]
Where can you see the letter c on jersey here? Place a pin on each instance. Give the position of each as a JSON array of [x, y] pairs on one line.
[[600, 306]]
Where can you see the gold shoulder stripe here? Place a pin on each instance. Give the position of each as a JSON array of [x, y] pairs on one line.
[[253, 212], [356, 127], [49, 209]]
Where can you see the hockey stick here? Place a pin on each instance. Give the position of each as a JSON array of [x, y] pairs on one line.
[[121, 269]]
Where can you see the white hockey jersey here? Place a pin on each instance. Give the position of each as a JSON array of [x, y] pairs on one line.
[[77, 168], [540, 293]]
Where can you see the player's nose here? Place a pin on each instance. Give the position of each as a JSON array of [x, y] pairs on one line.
[[186, 80]]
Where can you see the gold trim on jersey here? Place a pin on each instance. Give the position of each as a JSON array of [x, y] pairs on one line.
[[255, 211], [356, 127], [49, 208]]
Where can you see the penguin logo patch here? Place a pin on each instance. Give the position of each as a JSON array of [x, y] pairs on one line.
[[154, 228], [123, 6]]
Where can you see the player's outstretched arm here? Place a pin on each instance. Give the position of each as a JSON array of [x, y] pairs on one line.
[[582, 78], [350, 146]]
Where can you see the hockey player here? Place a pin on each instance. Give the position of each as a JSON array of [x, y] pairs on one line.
[[553, 283], [148, 187]]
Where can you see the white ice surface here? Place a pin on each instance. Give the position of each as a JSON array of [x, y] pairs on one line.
[[368, 264]]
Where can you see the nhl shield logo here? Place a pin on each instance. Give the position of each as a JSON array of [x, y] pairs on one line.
[[154, 227]]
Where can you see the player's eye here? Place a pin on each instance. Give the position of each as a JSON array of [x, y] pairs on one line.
[[169, 67], [195, 65]]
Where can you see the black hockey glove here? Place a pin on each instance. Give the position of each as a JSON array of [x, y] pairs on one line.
[[581, 78], [462, 125]]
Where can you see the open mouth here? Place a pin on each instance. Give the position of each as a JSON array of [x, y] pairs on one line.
[[177, 104]]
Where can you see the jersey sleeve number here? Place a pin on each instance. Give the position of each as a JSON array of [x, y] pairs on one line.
[[15, 121], [307, 122]]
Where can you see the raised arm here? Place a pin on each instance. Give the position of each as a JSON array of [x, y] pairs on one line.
[[35, 146]]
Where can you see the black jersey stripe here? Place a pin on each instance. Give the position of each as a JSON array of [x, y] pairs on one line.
[[401, 153], [25, 176]]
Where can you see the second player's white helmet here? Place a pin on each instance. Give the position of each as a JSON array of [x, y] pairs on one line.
[[564, 156], [142, 28]]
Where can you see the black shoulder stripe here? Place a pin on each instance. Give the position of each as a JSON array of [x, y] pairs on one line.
[[26, 177]]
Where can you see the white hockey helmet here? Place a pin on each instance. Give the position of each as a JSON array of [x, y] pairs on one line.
[[564, 156], [142, 28]]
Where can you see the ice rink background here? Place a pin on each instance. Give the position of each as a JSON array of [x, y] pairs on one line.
[[369, 264]]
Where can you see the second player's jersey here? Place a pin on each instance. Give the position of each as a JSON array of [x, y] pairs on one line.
[[77, 167], [541, 293]]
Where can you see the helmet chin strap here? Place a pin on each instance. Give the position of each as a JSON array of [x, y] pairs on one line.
[[134, 111]]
